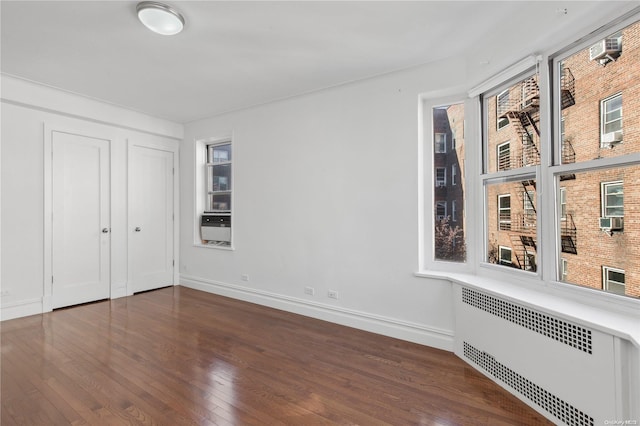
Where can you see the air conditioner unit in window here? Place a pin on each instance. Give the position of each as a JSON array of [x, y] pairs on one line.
[[612, 137], [607, 48], [611, 223], [441, 184]]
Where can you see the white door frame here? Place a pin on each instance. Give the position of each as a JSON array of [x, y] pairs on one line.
[[161, 146], [49, 129]]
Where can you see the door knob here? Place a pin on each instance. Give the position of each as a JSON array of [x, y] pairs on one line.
[[105, 230], [138, 229]]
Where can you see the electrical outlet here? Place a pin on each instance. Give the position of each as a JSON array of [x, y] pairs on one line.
[[310, 291], [332, 294], [244, 277]]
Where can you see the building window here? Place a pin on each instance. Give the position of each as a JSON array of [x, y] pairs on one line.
[[440, 143], [441, 210], [448, 233], [504, 156], [502, 106], [613, 280], [505, 256], [218, 174], [611, 119], [441, 177], [504, 212], [564, 267], [612, 199], [563, 203]]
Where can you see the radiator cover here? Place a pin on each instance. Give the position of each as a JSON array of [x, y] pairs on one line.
[[564, 370]]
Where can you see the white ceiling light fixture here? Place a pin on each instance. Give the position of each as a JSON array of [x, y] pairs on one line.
[[160, 18]]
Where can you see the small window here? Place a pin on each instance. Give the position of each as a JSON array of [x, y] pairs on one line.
[[440, 143], [441, 176], [613, 280], [564, 269], [504, 212], [611, 120], [563, 203], [504, 156], [505, 256], [454, 213], [502, 106], [454, 173], [441, 210], [612, 199], [219, 178]]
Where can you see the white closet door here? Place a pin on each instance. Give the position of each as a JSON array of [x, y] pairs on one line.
[[80, 219], [150, 218]]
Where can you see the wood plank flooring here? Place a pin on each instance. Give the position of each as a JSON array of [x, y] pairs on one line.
[[177, 356]]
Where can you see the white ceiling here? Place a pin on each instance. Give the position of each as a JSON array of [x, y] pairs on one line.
[[235, 54]]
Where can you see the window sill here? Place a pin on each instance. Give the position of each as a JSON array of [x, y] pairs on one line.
[[607, 319], [213, 246]]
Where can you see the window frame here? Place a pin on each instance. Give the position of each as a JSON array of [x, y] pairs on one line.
[[438, 204], [505, 249], [500, 215], [504, 122], [440, 147], [606, 280], [604, 197], [499, 148], [603, 117], [440, 183]]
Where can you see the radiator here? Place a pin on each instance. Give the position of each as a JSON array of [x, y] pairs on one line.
[[564, 370]]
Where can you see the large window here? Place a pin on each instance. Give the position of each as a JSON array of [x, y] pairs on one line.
[[448, 194], [585, 166]]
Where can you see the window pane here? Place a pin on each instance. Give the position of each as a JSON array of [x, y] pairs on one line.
[[449, 240], [598, 88], [601, 228], [512, 223], [518, 144]]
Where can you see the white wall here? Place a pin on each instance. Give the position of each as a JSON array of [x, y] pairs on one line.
[[26, 109], [325, 196]]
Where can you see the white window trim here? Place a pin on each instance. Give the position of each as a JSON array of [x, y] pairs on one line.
[[454, 174], [454, 211], [606, 280], [505, 248], [443, 143], [498, 119], [441, 204], [503, 144], [199, 197], [500, 209], [603, 195], [603, 118]]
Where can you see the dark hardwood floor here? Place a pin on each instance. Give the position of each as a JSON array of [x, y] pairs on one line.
[[177, 356]]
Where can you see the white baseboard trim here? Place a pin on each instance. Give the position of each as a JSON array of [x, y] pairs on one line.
[[23, 308], [404, 330]]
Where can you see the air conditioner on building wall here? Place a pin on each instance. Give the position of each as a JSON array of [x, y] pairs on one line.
[[607, 48], [612, 137], [441, 184], [611, 223]]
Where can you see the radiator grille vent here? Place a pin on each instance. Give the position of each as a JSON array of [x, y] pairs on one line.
[[554, 328], [544, 399]]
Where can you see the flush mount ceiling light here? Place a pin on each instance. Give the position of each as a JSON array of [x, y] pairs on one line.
[[160, 18]]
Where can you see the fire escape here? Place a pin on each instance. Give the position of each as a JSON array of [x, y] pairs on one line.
[[523, 114], [568, 230]]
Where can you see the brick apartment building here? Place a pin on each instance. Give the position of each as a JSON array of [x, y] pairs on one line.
[[599, 209]]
